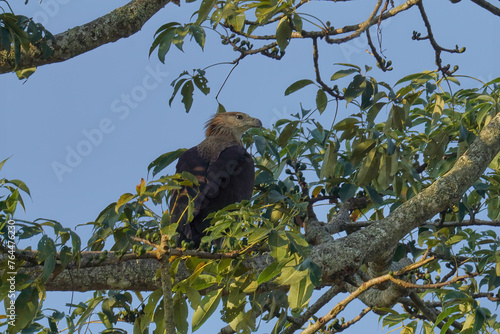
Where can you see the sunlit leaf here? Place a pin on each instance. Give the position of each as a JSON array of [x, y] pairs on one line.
[[298, 85], [207, 307]]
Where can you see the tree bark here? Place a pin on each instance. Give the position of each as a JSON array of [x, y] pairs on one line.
[[376, 242], [120, 23], [337, 258]]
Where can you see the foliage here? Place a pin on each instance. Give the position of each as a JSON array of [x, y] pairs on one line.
[[256, 264], [397, 142], [19, 32]]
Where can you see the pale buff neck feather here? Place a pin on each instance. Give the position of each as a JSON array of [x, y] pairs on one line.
[[213, 145]]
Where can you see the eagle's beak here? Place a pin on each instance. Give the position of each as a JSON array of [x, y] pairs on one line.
[[255, 123]]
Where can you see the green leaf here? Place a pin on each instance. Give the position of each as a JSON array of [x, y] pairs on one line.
[[3, 163], [438, 109], [298, 85], [201, 82], [329, 162], [370, 168], [187, 95], [46, 248], [283, 33], [205, 9], [6, 39], [164, 160], [238, 21], [48, 268], [343, 73], [27, 304], [361, 150], [300, 293], [315, 273], [165, 42], [418, 77], [180, 34], [269, 273], [18, 183], [25, 73], [347, 191], [321, 100], [355, 88], [180, 313], [358, 69], [286, 133], [278, 244], [207, 307], [198, 34], [124, 199], [297, 22], [220, 109], [479, 319], [149, 309], [374, 195]]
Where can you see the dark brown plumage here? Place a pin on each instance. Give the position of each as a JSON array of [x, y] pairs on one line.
[[224, 169]]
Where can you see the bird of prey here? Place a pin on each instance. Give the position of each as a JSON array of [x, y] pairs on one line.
[[225, 172]]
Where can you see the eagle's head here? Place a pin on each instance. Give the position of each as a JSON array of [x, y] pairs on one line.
[[231, 124]]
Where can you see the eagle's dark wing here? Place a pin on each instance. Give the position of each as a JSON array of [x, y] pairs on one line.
[[227, 180]]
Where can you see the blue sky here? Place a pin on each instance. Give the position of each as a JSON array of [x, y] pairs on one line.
[[111, 104]]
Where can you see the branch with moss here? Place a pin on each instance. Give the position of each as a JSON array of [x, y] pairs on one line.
[[119, 23]]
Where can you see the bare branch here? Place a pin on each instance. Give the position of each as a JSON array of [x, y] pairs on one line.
[[349, 323], [364, 287], [409, 285], [323, 85], [488, 6], [437, 48], [362, 27]]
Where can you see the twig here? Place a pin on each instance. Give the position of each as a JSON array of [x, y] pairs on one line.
[[313, 328], [384, 66], [362, 27], [323, 85], [349, 323], [409, 285], [445, 70]]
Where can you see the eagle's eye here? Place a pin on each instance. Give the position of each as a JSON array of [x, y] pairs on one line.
[[239, 117]]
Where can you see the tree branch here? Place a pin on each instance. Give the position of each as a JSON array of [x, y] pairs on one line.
[[313, 328], [344, 256], [322, 301], [445, 70], [362, 27], [488, 6], [120, 23], [349, 323]]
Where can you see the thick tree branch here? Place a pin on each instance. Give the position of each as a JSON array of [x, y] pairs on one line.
[[488, 6], [120, 23], [376, 242]]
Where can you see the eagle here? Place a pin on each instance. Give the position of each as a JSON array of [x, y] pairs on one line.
[[224, 170]]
